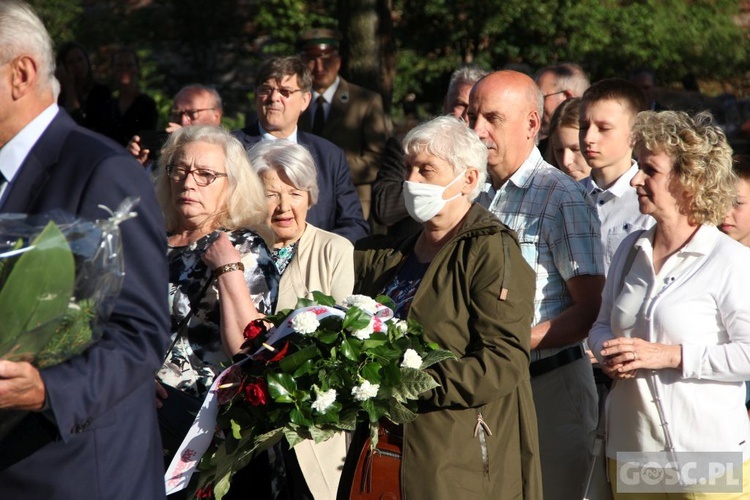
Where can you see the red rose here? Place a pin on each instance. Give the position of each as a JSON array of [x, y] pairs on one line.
[[256, 393], [255, 328], [206, 492]]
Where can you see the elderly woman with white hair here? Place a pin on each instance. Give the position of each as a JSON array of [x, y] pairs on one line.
[[464, 279], [309, 259]]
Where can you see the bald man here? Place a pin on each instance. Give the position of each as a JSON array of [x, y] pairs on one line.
[[559, 234]]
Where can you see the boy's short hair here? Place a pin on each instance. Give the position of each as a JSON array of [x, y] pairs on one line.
[[741, 166], [616, 89]]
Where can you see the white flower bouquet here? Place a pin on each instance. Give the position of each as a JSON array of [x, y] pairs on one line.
[[321, 370]]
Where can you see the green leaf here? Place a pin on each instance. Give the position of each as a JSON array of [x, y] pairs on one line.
[[298, 418], [400, 414], [386, 301], [236, 430], [320, 435], [222, 487], [281, 386], [293, 361], [303, 302], [350, 350], [413, 383], [355, 319], [376, 340], [323, 299], [328, 337], [36, 294], [371, 371], [391, 375], [374, 409], [437, 356], [293, 437], [348, 420], [306, 368]]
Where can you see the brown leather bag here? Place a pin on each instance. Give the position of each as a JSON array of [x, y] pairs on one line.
[[378, 472]]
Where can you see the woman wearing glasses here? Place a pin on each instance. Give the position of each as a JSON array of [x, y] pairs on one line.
[[214, 208]]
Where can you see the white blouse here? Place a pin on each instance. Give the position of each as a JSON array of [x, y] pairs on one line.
[[699, 300]]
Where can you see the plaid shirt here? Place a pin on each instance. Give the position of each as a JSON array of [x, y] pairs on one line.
[[557, 227]]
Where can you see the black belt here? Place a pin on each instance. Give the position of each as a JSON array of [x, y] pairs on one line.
[[562, 358]]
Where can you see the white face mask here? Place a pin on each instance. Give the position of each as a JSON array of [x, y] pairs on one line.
[[424, 201]]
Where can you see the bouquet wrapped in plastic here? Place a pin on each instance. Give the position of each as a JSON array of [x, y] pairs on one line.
[[59, 277], [320, 370]]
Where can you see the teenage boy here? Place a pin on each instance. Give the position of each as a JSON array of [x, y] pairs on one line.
[[608, 111]]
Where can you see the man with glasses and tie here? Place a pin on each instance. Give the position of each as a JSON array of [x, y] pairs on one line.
[[194, 104], [282, 93], [348, 115]]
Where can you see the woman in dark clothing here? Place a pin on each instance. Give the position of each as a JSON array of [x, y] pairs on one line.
[[87, 101], [132, 111]]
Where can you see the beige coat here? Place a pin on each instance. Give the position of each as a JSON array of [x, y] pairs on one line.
[[323, 262]]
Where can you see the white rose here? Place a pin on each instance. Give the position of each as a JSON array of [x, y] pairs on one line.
[[365, 332], [365, 391], [411, 360], [402, 327], [324, 400], [364, 302], [305, 322]]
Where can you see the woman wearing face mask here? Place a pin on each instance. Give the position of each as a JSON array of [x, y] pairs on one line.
[[464, 279]]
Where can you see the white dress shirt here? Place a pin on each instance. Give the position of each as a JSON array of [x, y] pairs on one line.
[[618, 211]]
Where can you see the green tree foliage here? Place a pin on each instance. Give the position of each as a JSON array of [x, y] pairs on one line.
[[607, 37], [59, 16], [222, 42]]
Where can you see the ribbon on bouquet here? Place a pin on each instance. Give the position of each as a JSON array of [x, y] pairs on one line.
[[201, 433]]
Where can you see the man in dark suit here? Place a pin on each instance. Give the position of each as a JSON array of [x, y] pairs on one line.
[[348, 115], [282, 93], [91, 431]]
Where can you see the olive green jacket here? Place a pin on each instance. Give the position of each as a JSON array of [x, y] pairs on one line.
[[460, 304]]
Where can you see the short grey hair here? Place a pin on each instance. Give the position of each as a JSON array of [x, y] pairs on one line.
[[22, 32], [449, 139], [465, 75], [294, 160], [198, 88], [245, 206], [568, 76]]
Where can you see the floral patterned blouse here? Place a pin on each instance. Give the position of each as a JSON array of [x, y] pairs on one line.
[[198, 356]]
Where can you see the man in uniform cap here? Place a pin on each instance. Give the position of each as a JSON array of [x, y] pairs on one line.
[[346, 114]]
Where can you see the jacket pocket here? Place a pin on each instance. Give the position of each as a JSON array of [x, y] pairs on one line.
[[482, 432]]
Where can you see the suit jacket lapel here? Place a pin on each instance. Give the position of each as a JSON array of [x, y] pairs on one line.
[[338, 107], [34, 171]]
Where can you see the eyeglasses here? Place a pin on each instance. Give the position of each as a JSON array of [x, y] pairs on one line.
[[202, 176], [267, 91], [553, 93], [190, 113]]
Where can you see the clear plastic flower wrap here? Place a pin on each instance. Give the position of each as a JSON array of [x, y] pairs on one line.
[[59, 278]]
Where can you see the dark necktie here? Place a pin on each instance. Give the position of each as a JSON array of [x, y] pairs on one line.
[[319, 120]]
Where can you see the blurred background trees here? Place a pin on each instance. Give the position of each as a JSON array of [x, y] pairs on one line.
[[406, 49]]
